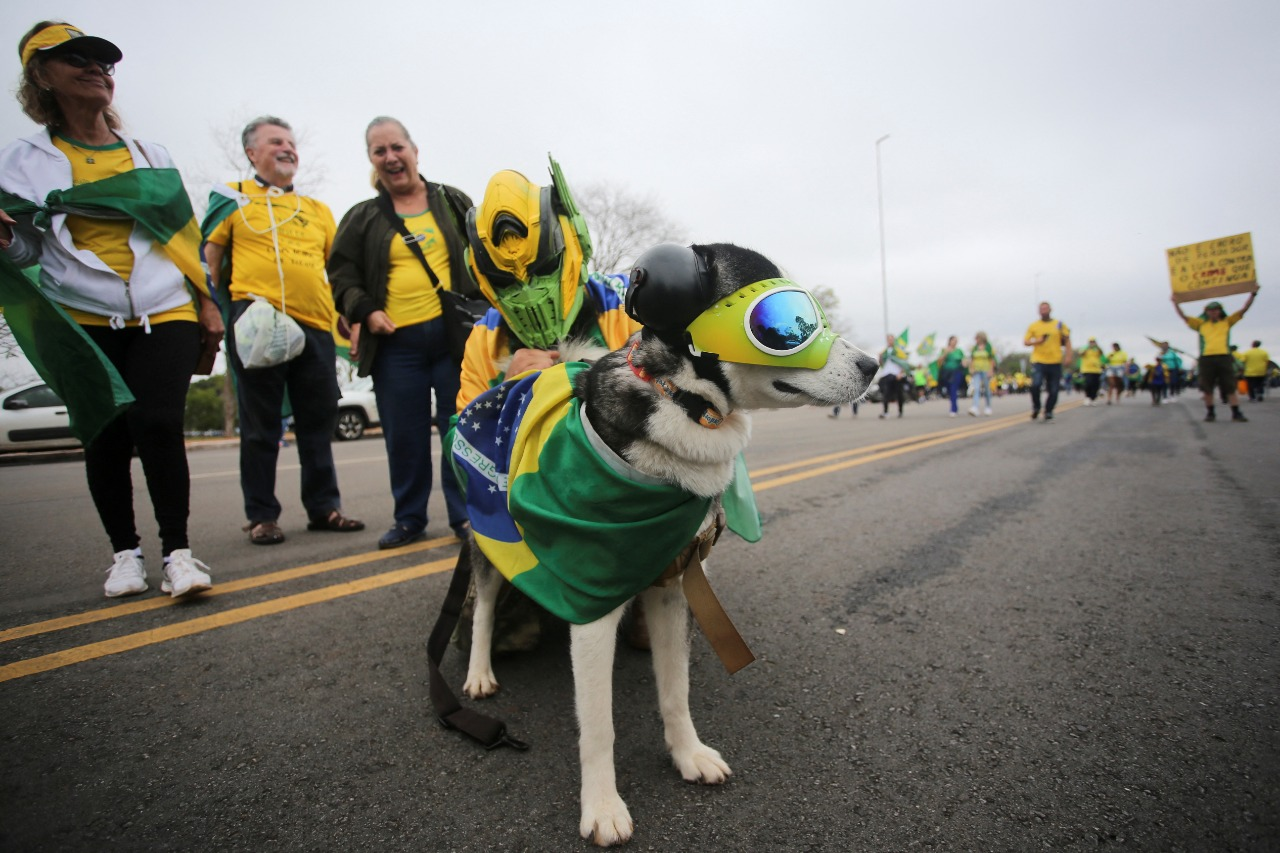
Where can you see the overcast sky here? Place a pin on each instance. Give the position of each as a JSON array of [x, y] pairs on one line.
[[1036, 150]]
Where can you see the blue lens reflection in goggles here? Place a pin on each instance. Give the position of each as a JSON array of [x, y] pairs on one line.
[[782, 322]]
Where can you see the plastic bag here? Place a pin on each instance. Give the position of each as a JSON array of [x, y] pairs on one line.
[[265, 337]]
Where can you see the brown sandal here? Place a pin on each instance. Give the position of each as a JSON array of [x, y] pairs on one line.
[[264, 532], [336, 522]]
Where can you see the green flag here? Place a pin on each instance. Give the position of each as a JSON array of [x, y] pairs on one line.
[[62, 354]]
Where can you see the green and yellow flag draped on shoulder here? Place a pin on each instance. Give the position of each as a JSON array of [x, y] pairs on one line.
[[54, 343]]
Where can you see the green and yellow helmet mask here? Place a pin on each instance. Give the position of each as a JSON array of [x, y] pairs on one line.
[[528, 249]]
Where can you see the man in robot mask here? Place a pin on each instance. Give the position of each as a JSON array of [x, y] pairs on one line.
[[528, 249]]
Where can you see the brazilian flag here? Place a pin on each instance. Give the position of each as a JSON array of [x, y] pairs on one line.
[[583, 538], [57, 347]]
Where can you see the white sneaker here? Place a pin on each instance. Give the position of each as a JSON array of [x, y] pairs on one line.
[[183, 575], [973, 413], [126, 575], [987, 412]]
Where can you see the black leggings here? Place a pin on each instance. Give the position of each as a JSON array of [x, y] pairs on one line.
[[157, 367], [891, 389]]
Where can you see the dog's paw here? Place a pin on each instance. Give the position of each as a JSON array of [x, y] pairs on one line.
[[480, 684], [701, 764], [605, 820]]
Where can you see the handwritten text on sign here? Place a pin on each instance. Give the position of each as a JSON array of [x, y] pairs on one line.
[[1213, 268]]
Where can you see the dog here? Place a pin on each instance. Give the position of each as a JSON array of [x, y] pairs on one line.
[[671, 409]]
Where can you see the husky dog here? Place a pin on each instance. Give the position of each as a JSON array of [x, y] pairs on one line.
[[671, 408]]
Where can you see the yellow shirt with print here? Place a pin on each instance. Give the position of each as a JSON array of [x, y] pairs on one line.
[[106, 238], [411, 298], [1215, 337], [1255, 362], [304, 231], [1048, 351], [980, 360], [1091, 360], [1117, 358]]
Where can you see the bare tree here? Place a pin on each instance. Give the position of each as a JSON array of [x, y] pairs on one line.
[[622, 225], [830, 303]]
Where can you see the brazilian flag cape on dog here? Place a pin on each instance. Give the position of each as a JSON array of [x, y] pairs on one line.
[[60, 351], [550, 513]]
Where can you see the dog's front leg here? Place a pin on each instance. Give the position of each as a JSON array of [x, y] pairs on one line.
[[480, 681], [605, 819], [668, 616]]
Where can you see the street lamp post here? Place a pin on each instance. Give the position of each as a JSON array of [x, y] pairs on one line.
[[884, 280]]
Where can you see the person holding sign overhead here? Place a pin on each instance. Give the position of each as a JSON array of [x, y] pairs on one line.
[[1217, 366]]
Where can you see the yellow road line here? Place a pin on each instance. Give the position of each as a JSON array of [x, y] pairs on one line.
[[872, 448], [145, 605], [905, 446], [141, 639], [235, 472]]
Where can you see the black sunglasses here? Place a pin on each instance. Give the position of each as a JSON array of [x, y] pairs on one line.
[[79, 60]]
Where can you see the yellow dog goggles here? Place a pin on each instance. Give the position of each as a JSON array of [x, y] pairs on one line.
[[774, 322]]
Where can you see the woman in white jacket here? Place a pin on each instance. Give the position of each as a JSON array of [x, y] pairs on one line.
[[117, 282]]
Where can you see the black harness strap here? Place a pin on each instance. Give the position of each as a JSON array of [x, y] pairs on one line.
[[489, 732]]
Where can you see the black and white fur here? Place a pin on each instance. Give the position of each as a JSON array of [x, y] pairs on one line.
[[659, 440]]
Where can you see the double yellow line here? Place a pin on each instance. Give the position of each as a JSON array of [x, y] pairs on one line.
[[762, 480]]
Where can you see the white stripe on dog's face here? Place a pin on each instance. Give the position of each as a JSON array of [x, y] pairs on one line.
[[846, 376]]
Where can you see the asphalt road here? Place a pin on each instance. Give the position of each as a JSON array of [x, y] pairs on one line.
[[971, 635]]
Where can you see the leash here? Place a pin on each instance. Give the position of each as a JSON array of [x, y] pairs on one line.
[[710, 615], [490, 732]]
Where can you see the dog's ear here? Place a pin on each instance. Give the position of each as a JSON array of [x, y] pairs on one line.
[[670, 286]]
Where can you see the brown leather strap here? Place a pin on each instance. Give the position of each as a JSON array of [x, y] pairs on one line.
[[715, 623]]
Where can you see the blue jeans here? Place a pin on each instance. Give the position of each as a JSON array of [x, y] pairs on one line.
[[311, 380], [953, 386], [410, 364], [981, 388], [1045, 374]]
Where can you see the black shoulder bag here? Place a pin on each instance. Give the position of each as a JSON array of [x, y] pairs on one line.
[[460, 313]]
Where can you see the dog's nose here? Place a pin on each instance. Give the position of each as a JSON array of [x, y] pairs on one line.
[[867, 365]]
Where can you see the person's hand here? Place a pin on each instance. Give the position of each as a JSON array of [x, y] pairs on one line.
[[379, 323], [525, 360], [6, 233], [355, 340], [211, 327]]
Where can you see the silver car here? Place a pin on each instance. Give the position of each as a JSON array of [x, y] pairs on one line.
[[33, 417]]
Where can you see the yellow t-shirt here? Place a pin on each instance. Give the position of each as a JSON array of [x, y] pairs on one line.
[[1050, 351], [1255, 362], [304, 230], [411, 298], [980, 360], [1117, 358], [1091, 360], [106, 238], [1215, 338]]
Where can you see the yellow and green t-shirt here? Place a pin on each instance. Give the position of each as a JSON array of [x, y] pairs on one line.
[[305, 230], [1117, 358], [1091, 360], [982, 358], [106, 238], [1215, 337], [1050, 350], [411, 298]]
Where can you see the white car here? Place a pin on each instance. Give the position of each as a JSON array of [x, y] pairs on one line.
[[357, 411], [33, 417]]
